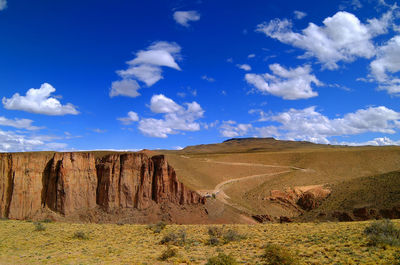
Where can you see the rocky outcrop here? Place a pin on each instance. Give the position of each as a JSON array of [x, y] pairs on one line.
[[21, 178], [342, 216], [263, 218], [300, 199], [285, 219], [126, 181], [366, 213], [71, 183], [293, 202], [77, 182]]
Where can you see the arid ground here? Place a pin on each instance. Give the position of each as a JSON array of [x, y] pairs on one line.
[[309, 243], [242, 174]]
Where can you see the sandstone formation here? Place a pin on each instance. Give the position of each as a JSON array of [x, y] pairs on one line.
[[300, 199], [263, 218], [78, 183], [294, 201]]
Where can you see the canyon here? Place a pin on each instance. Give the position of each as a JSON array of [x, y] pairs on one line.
[[85, 186]]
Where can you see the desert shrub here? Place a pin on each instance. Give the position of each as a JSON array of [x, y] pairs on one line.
[[232, 235], [219, 236], [213, 241], [168, 253], [222, 259], [215, 231], [277, 255], [383, 232], [80, 235], [175, 238], [158, 227], [47, 220], [39, 226]]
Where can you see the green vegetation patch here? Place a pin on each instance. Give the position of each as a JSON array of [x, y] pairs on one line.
[[383, 232]]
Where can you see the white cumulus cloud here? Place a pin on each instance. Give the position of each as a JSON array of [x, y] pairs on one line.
[[132, 117], [146, 67], [39, 101], [184, 17], [289, 84], [386, 64], [176, 118], [310, 125], [343, 37], [162, 104]]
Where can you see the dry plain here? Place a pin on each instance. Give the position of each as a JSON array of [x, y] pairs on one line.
[[312, 243]]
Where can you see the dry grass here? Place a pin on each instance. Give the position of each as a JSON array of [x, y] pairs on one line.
[[200, 173], [312, 243], [379, 192]]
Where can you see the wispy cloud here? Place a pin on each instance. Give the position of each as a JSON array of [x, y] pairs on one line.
[[97, 130], [18, 123], [3, 4], [299, 14], [16, 142], [244, 67], [132, 117], [184, 17], [207, 78], [125, 87], [233, 129]]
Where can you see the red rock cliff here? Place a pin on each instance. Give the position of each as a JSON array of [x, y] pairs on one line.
[[72, 183]]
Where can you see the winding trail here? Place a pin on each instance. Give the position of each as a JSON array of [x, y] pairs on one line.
[[245, 164], [218, 190]]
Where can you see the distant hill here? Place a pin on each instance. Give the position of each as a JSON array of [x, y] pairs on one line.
[[237, 145], [243, 172]]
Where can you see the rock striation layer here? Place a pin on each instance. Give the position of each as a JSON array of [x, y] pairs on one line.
[[76, 183]]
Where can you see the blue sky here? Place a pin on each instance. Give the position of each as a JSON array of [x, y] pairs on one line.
[[127, 75]]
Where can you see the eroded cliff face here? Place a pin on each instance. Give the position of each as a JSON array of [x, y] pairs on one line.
[[77, 183]]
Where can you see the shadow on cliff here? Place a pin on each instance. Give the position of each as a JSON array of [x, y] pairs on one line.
[[80, 187]]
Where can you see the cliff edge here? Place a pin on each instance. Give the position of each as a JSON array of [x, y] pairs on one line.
[[118, 187]]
